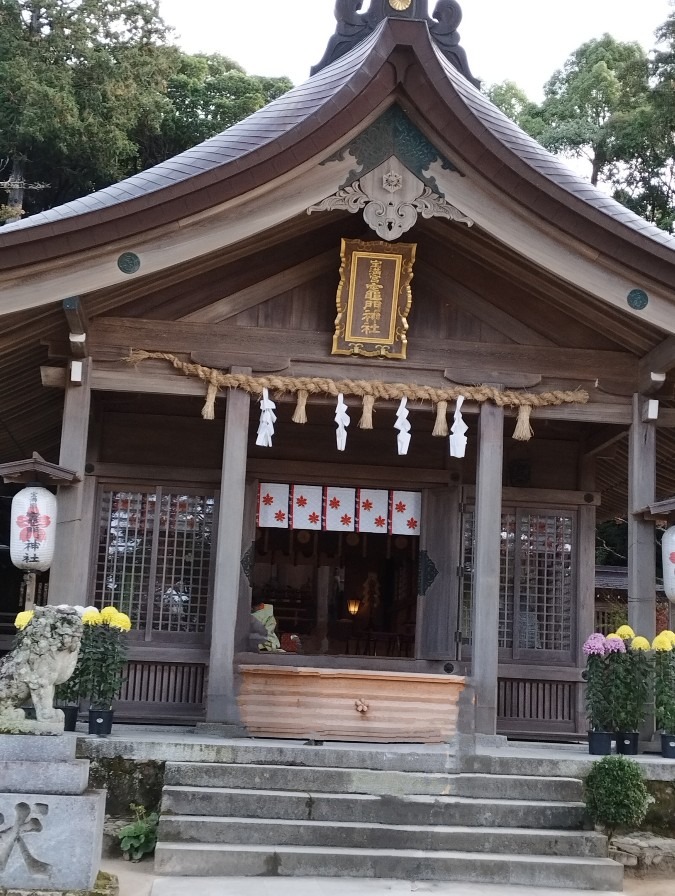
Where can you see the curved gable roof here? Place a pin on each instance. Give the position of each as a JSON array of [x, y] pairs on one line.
[[398, 61], [526, 149]]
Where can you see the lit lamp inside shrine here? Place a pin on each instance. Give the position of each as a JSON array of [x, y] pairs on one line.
[[353, 606]]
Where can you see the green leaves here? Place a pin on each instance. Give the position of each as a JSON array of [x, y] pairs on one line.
[[206, 95], [664, 690], [75, 77], [616, 794], [613, 106], [140, 837], [92, 92]]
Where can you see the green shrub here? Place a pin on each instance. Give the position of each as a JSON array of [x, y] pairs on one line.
[[616, 794], [139, 837]]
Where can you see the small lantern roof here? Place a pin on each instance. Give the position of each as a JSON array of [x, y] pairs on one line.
[[660, 510], [37, 469]]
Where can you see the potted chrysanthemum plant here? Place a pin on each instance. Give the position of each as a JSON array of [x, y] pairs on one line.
[[664, 690], [632, 669], [597, 707], [104, 656]]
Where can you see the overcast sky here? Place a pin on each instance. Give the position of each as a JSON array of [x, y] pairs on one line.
[[520, 40]]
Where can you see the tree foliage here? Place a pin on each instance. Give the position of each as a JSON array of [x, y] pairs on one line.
[[92, 91], [615, 107], [206, 95], [75, 77]]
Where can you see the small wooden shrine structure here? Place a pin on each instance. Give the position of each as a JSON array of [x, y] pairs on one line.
[[189, 317]]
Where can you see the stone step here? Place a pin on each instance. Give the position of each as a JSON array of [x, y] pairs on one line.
[[343, 780], [206, 860], [283, 832], [435, 758], [578, 765], [386, 809]]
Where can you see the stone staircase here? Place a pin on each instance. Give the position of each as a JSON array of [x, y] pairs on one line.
[[318, 813]]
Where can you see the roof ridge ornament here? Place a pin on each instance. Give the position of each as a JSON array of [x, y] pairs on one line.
[[353, 27], [391, 198]]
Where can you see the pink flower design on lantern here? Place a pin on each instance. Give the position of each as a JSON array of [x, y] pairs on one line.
[[33, 523]]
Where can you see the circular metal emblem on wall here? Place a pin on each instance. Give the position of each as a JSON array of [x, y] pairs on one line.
[[128, 263], [400, 4], [638, 299]]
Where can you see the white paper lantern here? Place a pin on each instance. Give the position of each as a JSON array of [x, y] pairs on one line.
[[33, 529], [668, 554]]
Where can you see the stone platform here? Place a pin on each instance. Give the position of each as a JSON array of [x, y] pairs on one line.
[[51, 828]]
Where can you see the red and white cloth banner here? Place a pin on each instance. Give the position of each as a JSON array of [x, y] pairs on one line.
[[339, 509], [273, 505], [306, 506], [372, 509], [406, 509]]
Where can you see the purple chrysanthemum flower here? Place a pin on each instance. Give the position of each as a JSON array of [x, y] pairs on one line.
[[595, 645], [615, 645]]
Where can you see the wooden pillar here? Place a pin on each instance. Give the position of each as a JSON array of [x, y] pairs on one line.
[[484, 652], [243, 624], [221, 705], [69, 574], [641, 534], [437, 580], [585, 580]]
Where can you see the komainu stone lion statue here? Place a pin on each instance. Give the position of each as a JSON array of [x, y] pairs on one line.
[[45, 655]]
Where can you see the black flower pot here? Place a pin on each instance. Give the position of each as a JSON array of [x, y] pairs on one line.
[[70, 717], [599, 743], [627, 743], [100, 722], [668, 746]]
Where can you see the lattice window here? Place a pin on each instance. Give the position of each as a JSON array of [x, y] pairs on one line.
[[536, 565], [544, 581], [154, 558], [505, 578]]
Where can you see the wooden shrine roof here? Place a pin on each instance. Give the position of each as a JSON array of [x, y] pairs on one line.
[[396, 64], [309, 118]]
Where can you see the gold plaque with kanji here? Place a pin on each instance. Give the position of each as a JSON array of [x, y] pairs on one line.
[[374, 299]]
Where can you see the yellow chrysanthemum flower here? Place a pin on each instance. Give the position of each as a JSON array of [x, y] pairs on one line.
[[120, 621], [640, 643], [22, 619], [670, 635], [625, 632], [91, 617], [662, 643], [612, 635], [108, 613]]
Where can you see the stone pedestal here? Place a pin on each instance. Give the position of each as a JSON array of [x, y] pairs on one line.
[[51, 828]]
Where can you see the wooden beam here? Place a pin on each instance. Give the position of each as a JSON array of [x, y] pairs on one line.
[[271, 364], [183, 337], [264, 290], [469, 376], [78, 324], [158, 378], [655, 365], [438, 283], [357, 474], [595, 446]]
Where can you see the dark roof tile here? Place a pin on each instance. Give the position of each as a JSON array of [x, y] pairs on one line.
[[267, 125], [543, 162]]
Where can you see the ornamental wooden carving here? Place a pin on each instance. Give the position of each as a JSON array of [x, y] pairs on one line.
[[374, 299]]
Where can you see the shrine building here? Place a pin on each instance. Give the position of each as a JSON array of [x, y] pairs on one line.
[[372, 361]]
